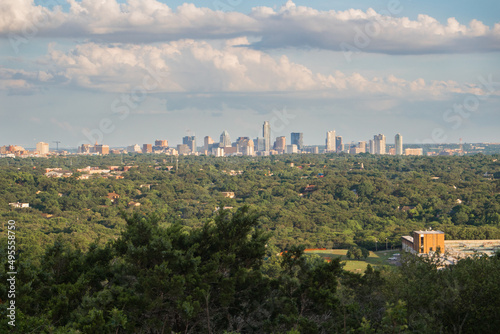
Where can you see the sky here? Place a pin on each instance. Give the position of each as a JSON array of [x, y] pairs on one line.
[[132, 71]]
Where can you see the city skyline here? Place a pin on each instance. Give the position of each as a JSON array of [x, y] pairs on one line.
[[121, 72], [260, 146], [378, 141]]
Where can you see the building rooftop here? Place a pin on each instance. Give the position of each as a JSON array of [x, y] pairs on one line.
[[410, 239], [429, 232]]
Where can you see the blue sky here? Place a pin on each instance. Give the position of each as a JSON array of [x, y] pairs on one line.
[[134, 71]]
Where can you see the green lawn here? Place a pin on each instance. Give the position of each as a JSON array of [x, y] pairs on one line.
[[375, 258]]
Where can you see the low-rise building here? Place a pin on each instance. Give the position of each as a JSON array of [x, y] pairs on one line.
[[414, 151], [57, 172], [19, 205], [424, 242], [113, 196], [430, 242], [134, 149]]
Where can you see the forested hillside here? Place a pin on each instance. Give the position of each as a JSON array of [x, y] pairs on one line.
[[313, 200]]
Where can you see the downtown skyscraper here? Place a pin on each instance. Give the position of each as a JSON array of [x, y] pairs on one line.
[[266, 133], [330, 141], [225, 140], [398, 141], [339, 144], [190, 141], [379, 144], [297, 138]]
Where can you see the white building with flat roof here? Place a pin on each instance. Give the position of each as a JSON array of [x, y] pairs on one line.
[[42, 148]]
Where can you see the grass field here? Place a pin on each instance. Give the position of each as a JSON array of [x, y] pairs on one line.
[[375, 259]]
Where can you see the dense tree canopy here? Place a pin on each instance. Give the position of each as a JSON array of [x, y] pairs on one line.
[[313, 200], [224, 277]]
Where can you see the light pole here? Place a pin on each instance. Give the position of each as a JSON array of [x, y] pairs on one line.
[[385, 243], [375, 245]]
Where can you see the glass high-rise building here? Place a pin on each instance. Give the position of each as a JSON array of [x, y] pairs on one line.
[[297, 138], [398, 141], [225, 140], [339, 144], [260, 144], [190, 141], [266, 133]]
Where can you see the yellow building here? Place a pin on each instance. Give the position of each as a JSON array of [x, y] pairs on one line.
[[423, 242], [428, 241]]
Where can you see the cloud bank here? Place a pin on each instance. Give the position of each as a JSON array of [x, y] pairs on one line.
[[190, 66], [148, 21]]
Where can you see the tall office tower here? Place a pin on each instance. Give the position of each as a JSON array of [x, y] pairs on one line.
[[330, 141], [398, 140], [193, 144], [147, 148], [42, 148], [339, 144], [379, 144], [297, 139], [225, 140], [208, 142], [280, 144], [190, 141], [259, 144], [371, 148], [266, 133], [362, 147]]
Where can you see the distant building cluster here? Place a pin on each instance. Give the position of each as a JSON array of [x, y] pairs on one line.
[[42, 150], [96, 149], [265, 146], [260, 146]]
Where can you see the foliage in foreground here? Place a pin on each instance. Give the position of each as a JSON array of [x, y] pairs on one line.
[[222, 277]]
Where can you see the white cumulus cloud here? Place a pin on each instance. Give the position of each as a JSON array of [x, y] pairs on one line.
[[147, 21], [190, 66]]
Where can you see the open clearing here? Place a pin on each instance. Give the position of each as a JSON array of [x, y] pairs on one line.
[[375, 259]]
